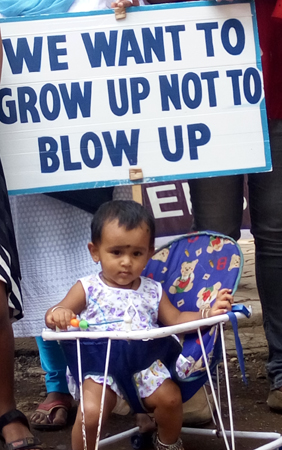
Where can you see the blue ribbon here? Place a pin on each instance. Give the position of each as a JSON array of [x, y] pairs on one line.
[[16, 8], [239, 348]]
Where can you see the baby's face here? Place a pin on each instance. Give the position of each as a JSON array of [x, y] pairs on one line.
[[186, 270], [123, 253]]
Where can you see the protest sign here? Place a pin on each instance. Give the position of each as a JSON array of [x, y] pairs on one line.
[[175, 90]]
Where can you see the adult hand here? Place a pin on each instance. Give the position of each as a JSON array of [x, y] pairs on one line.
[[125, 3]]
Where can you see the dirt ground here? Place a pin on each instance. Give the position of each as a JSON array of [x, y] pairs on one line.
[[249, 408]]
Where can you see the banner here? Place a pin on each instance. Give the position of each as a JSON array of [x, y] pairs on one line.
[[174, 90], [171, 207]]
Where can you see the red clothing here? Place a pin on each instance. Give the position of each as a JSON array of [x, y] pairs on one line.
[[270, 35]]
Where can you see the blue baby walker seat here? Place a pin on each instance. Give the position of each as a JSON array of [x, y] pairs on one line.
[[192, 269]]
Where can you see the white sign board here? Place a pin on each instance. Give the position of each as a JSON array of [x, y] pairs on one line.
[[174, 89]]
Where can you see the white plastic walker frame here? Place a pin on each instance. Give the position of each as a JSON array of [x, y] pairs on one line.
[[156, 333]]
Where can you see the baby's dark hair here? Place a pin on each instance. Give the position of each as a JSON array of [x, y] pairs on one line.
[[129, 214]]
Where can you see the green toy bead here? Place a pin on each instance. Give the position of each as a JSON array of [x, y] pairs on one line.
[[83, 324]]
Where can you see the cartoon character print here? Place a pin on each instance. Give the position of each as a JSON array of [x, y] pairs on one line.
[[207, 295], [184, 283], [234, 262], [195, 364], [199, 364], [162, 255], [216, 244]]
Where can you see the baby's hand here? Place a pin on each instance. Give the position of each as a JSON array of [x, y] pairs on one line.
[[124, 3], [222, 303], [59, 317]]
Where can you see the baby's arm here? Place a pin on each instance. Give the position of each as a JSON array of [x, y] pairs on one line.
[[169, 315], [61, 314]]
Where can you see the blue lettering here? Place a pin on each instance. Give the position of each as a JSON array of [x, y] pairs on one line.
[[101, 47], [118, 111], [48, 148], [10, 105], [43, 100], [168, 155], [239, 30], [252, 73], [84, 150], [68, 164], [23, 53], [50, 102], [136, 95], [155, 43], [129, 48], [77, 99], [192, 103], [234, 75], [207, 28], [169, 90], [122, 144], [27, 99], [175, 30], [55, 52], [210, 77], [195, 142]]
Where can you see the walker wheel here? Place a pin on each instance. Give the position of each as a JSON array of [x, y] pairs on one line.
[[141, 441]]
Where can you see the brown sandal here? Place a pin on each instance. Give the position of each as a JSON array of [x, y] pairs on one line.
[[26, 443], [49, 411]]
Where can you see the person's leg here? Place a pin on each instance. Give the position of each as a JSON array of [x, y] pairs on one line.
[[92, 393], [15, 430], [217, 204], [166, 403], [53, 412], [7, 355], [265, 194], [54, 364]]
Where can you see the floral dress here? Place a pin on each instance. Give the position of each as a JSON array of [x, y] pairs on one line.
[[105, 309]]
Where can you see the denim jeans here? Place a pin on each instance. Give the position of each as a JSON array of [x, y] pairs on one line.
[[218, 204], [54, 364]]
